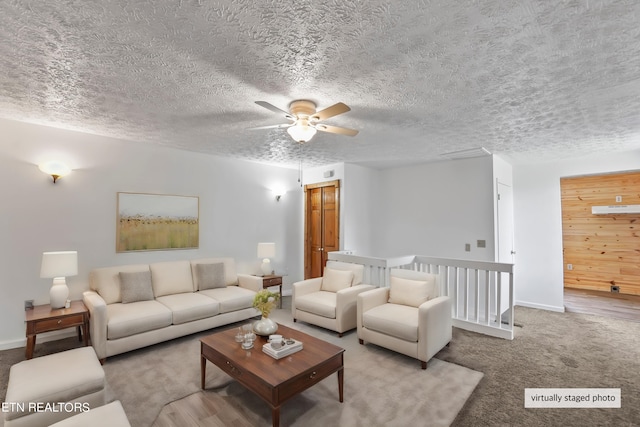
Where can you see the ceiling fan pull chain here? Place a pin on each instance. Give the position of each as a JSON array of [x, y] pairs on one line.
[[300, 165]]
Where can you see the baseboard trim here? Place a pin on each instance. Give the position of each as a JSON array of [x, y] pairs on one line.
[[540, 306], [8, 345], [40, 338]]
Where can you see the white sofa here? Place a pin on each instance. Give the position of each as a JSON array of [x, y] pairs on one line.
[[125, 315]]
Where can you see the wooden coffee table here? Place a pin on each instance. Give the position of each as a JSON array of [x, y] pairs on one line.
[[275, 381]]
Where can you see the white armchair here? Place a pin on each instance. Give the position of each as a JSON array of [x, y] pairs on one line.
[[330, 301], [409, 317]]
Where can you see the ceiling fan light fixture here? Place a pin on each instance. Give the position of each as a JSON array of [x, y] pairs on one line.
[[301, 132]]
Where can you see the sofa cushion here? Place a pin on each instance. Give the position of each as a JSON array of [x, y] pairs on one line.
[[58, 377], [210, 276], [396, 320], [106, 280], [124, 320], [335, 280], [189, 306], [171, 278], [231, 298], [320, 303], [230, 275], [135, 286], [411, 292], [358, 270]]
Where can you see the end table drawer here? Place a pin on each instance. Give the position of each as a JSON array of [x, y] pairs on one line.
[[273, 281], [54, 324]]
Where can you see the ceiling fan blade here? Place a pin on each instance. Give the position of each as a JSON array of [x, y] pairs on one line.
[[273, 108], [281, 126], [334, 110], [336, 129]]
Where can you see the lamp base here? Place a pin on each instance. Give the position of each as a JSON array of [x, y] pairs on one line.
[[266, 267], [59, 293]]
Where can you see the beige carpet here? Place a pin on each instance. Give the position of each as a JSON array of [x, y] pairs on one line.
[[381, 387]]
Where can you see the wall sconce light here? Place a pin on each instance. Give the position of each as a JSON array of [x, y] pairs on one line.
[[55, 169], [278, 193]]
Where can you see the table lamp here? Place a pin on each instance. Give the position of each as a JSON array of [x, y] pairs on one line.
[[266, 251], [59, 265]]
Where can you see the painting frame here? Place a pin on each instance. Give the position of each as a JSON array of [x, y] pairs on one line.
[[156, 222]]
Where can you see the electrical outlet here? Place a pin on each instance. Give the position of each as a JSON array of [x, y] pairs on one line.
[[28, 304], [618, 199], [482, 243], [467, 247], [569, 267]]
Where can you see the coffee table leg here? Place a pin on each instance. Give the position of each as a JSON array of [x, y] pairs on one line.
[[275, 417], [203, 370], [341, 384]]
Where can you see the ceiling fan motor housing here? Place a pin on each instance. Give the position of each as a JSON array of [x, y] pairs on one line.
[[302, 108]]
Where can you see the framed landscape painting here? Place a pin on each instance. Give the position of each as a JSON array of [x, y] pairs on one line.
[[148, 222]]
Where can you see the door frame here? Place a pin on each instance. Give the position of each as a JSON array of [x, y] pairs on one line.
[[307, 221]]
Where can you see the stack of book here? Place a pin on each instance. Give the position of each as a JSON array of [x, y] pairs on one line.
[[283, 351]]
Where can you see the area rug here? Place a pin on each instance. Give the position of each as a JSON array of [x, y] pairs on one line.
[[381, 387]]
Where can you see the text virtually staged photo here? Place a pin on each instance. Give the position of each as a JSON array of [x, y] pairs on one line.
[[319, 213]]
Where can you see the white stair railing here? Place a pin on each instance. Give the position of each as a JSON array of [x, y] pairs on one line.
[[481, 291]]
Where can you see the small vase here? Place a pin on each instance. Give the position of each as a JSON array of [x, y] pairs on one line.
[[265, 327]]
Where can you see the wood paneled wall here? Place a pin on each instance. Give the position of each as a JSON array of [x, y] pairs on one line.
[[603, 249]]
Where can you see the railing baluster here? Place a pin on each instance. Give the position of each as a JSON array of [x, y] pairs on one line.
[[477, 278], [499, 302], [466, 294], [487, 302]]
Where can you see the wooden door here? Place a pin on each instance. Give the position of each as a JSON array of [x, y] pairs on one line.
[[322, 225]]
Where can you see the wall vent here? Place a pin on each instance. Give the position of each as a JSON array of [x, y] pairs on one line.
[[467, 154]]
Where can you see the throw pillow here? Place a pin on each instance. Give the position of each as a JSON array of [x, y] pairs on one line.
[[411, 292], [335, 280], [210, 276], [136, 286]]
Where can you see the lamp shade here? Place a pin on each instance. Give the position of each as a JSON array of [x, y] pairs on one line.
[[59, 264], [301, 132], [266, 250]]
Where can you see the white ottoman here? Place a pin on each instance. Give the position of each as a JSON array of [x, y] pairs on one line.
[[48, 389], [110, 415]]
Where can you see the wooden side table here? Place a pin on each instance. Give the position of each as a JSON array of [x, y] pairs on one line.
[[42, 318], [273, 280]]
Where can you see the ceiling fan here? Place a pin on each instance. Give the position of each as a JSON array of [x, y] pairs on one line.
[[305, 120]]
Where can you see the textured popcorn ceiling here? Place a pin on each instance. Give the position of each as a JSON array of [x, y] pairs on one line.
[[532, 80]]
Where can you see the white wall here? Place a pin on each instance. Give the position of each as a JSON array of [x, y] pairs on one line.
[[360, 207], [433, 209], [237, 209], [538, 224]]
